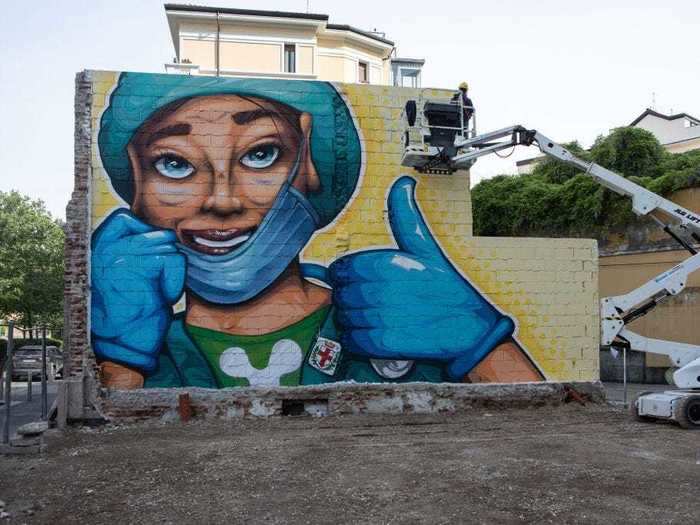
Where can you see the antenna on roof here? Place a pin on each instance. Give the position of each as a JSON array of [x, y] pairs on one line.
[[653, 100], [307, 6], [378, 33]]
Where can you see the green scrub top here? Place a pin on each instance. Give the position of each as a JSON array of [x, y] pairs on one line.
[[193, 356]]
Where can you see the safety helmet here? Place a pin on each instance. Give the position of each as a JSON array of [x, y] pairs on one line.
[[463, 85], [335, 144]]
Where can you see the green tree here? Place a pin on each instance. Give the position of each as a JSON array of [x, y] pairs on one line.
[[31, 262], [630, 152]]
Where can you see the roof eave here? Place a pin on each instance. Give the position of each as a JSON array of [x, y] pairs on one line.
[[359, 32], [174, 12], [408, 60], [654, 113], [245, 12]]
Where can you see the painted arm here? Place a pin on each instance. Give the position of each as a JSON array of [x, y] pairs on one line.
[[120, 377], [507, 363]]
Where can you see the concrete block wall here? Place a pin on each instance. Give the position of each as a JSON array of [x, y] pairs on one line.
[[487, 309]]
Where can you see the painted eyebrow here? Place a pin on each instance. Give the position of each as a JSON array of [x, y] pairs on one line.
[[244, 117], [169, 131]]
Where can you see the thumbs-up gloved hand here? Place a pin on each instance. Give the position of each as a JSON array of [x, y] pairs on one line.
[[411, 303], [137, 275]]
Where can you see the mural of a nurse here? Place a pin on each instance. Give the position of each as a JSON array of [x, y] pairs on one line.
[[226, 181]]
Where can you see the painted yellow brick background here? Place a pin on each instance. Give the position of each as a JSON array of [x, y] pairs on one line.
[[548, 286]]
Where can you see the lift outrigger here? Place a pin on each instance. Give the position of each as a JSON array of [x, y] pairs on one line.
[[438, 141]]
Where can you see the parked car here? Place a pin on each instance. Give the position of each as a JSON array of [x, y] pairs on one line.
[[27, 359]]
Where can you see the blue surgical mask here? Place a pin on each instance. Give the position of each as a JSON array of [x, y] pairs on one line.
[[242, 274]]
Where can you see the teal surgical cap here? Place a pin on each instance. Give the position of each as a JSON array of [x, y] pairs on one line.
[[335, 144]]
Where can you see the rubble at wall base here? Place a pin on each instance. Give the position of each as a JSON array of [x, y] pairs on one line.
[[339, 399]]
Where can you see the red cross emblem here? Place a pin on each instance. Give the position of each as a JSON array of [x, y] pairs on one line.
[[325, 355]]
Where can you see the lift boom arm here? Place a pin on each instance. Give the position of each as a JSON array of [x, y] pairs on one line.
[[643, 200], [619, 310]]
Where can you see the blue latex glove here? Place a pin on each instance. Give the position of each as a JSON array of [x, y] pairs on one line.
[[411, 303], [137, 275]]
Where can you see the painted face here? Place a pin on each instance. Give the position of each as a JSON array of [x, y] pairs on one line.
[[211, 167]]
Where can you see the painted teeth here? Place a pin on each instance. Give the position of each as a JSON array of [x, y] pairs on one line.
[[221, 244]]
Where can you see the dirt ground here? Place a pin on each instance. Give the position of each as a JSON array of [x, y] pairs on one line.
[[549, 465]]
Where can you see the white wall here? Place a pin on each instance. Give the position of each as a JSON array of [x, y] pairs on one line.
[[668, 131]]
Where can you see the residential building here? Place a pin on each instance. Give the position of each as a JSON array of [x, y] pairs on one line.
[[677, 133], [276, 44]]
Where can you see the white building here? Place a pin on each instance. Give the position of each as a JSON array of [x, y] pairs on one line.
[[677, 133]]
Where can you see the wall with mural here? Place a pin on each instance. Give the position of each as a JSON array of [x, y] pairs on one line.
[[254, 232]]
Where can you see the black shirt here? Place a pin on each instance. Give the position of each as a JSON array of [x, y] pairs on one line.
[[466, 102]]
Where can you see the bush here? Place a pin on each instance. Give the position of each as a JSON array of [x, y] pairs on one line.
[[630, 152], [554, 171]]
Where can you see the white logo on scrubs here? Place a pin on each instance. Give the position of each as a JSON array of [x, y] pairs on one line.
[[286, 357]]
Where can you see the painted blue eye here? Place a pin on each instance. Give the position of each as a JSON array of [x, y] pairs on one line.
[[173, 167], [261, 156]]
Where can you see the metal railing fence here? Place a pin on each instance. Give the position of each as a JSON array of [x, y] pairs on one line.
[[8, 370]]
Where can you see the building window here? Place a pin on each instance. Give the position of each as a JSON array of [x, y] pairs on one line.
[[363, 72], [290, 58]]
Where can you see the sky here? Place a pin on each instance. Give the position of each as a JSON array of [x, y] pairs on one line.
[[570, 70]]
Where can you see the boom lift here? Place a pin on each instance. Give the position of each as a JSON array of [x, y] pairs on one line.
[[433, 146]]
